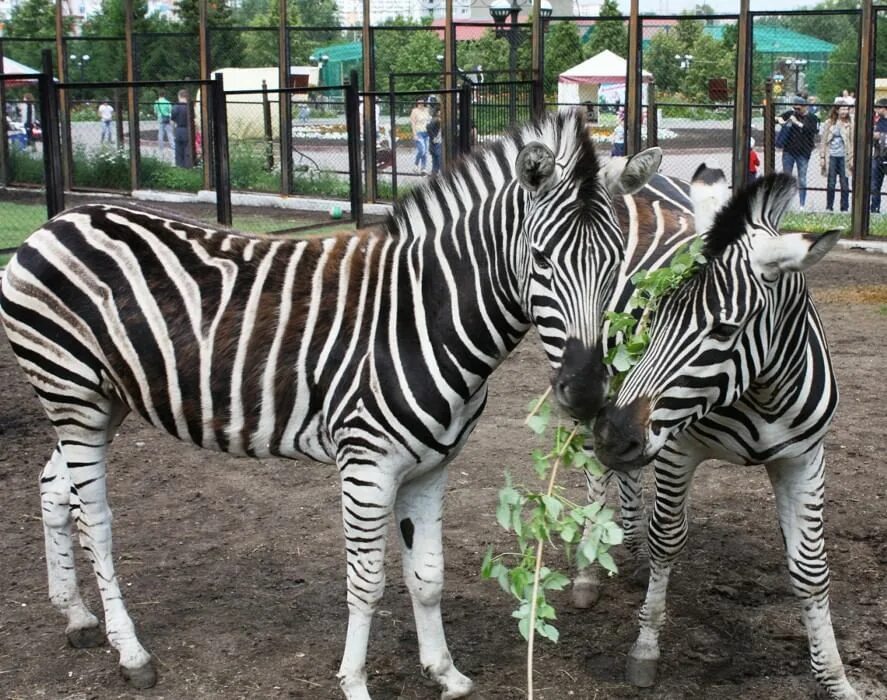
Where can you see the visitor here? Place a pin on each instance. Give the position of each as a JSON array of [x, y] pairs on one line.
[[29, 119], [106, 115], [802, 130], [836, 153], [181, 118], [754, 161], [419, 118], [435, 142], [879, 153], [163, 112], [619, 135]]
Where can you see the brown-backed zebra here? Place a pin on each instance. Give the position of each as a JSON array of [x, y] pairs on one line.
[[738, 370], [658, 220], [370, 351]]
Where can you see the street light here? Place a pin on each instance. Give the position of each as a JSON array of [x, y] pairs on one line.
[[684, 59], [80, 61], [797, 64]]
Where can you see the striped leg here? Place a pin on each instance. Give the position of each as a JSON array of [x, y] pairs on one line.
[[419, 514], [84, 451], [666, 539], [55, 500], [367, 503], [587, 584], [799, 489]]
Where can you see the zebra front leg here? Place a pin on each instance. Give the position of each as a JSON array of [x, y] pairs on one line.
[[55, 504], [587, 584], [799, 488], [367, 502], [85, 457], [634, 524], [666, 537], [419, 512]]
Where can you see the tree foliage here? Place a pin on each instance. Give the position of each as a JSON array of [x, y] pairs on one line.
[[609, 34], [563, 50]]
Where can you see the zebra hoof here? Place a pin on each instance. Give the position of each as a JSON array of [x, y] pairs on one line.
[[85, 637], [585, 595], [140, 677], [641, 673]]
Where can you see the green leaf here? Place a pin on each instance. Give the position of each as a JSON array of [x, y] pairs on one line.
[[606, 561], [555, 581], [486, 567], [548, 631], [553, 507], [622, 360]]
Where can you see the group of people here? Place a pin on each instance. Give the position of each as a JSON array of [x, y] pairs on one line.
[[426, 126], [836, 143], [173, 125]]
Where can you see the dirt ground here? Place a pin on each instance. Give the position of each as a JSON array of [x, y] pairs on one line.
[[234, 569]]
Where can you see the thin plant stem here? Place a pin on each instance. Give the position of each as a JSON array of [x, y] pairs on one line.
[[536, 575]]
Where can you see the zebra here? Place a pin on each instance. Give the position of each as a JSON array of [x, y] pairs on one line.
[[737, 369], [370, 351], [658, 220]]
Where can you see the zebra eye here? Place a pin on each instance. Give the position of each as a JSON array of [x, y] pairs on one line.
[[541, 260], [723, 331]]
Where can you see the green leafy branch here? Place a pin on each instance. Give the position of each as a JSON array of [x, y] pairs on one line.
[[537, 518]]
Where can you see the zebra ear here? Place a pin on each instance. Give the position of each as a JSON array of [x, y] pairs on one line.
[[709, 193], [536, 167], [627, 175], [792, 252]]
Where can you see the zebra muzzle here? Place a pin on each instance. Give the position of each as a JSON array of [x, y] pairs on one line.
[[620, 435], [580, 383]]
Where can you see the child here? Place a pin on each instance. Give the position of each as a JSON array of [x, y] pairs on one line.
[[754, 163]]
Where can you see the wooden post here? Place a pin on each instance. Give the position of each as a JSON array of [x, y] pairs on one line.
[[205, 97], [652, 116], [285, 104], [369, 105], [742, 102], [132, 103], [769, 128], [448, 118], [860, 218], [633, 93], [64, 105], [4, 136]]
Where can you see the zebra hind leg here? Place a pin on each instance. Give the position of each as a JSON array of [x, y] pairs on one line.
[[799, 489], [419, 510], [83, 442], [83, 628]]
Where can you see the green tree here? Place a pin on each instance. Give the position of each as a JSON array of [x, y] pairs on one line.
[[405, 46], [710, 60], [563, 50], [611, 34], [688, 30], [659, 59], [31, 19]]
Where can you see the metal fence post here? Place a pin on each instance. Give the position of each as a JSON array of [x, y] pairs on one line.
[[269, 134], [392, 134], [52, 152], [769, 128], [4, 137], [465, 118], [352, 122], [652, 116], [220, 151]]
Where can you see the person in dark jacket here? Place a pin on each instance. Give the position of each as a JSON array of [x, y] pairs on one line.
[[181, 118], [879, 153], [803, 127]]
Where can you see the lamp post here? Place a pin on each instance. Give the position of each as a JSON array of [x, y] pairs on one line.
[[684, 59], [797, 64], [502, 11], [80, 61]]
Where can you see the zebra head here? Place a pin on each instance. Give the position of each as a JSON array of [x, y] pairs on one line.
[[572, 250], [727, 327]]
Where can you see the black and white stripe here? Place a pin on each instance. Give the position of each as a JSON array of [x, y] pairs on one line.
[[371, 351], [738, 370]]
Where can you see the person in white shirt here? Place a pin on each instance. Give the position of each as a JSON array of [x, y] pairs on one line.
[[106, 114]]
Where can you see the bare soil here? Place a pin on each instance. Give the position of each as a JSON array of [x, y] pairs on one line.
[[234, 569]]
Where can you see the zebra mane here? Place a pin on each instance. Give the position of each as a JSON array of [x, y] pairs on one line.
[[762, 203], [483, 171]]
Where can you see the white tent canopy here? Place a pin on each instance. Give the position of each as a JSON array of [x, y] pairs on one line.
[[602, 74], [10, 66]]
